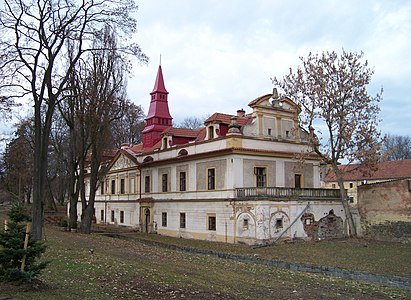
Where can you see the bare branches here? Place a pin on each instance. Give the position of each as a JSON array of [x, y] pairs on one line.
[[37, 37], [331, 91]]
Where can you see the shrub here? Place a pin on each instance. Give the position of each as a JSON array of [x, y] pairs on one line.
[[12, 249]]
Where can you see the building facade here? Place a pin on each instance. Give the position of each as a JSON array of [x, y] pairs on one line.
[[238, 179]]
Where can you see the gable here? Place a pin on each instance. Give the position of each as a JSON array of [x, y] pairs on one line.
[[122, 162]]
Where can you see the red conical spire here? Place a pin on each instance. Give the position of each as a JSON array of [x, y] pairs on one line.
[[159, 86], [158, 118]]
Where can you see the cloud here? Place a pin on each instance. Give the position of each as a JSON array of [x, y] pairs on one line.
[[219, 55]]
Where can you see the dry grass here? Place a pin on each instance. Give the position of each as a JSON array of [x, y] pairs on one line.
[[133, 269]]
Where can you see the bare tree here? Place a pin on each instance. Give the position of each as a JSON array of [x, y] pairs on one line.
[[191, 122], [396, 147], [18, 161], [331, 91], [129, 128], [35, 35], [104, 91]]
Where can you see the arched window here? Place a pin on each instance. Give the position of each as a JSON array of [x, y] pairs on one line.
[[182, 152], [148, 158]]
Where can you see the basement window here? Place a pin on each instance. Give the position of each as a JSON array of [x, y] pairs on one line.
[[245, 224], [279, 223]]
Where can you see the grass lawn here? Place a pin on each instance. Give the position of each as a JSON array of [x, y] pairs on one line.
[[133, 268]]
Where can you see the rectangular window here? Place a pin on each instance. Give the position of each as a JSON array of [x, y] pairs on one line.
[[113, 186], [279, 223], [164, 182], [245, 223], [164, 219], [182, 220], [210, 132], [351, 185], [269, 131], [297, 181], [212, 223], [182, 181], [132, 185], [147, 184], [101, 187], [122, 186], [211, 179], [121, 216], [261, 176], [102, 215], [112, 216]]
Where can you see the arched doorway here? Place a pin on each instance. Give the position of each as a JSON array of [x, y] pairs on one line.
[[146, 219]]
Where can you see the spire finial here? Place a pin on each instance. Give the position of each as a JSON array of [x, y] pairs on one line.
[[160, 59]]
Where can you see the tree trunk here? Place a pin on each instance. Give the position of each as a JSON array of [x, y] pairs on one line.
[[41, 138], [351, 230], [37, 207], [88, 210]]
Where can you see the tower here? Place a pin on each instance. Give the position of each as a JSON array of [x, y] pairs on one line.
[[158, 118]]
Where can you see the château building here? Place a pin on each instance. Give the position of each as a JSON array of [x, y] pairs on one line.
[[238, 179]]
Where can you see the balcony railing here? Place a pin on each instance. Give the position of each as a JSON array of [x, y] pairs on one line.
[[290, 193]]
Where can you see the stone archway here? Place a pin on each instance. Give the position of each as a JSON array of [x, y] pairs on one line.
[[245, 227], [279, 222]]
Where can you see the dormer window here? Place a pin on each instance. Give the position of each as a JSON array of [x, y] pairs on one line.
[[210, 132], [165, 143]]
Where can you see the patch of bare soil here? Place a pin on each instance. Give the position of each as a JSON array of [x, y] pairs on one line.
[[16, 287]]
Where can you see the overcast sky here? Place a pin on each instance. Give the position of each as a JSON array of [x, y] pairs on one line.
[[219, 55]]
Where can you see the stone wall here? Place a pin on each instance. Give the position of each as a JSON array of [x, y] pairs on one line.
[[385, 210], [328, 227]]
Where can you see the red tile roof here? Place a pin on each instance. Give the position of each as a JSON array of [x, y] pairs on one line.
[[226, 119], [394, 169], [182, 132]]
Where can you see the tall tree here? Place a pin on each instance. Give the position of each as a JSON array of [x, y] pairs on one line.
[[396, 147], [331, 90], [18, 161], [35, 35], [104, 91]]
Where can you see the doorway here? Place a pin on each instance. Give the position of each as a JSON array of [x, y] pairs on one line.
[[146, 219]]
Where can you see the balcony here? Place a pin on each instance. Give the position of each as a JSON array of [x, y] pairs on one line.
[[288, 193]]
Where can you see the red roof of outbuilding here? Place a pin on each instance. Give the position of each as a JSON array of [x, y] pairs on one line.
[[394, 169]]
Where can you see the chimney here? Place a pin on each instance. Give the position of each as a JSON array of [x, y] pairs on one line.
[[240, 113]]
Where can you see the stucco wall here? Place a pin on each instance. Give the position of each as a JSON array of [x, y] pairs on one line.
[[385, 201], [248, 169], [292, 168], [385, 209], [220, 167]]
